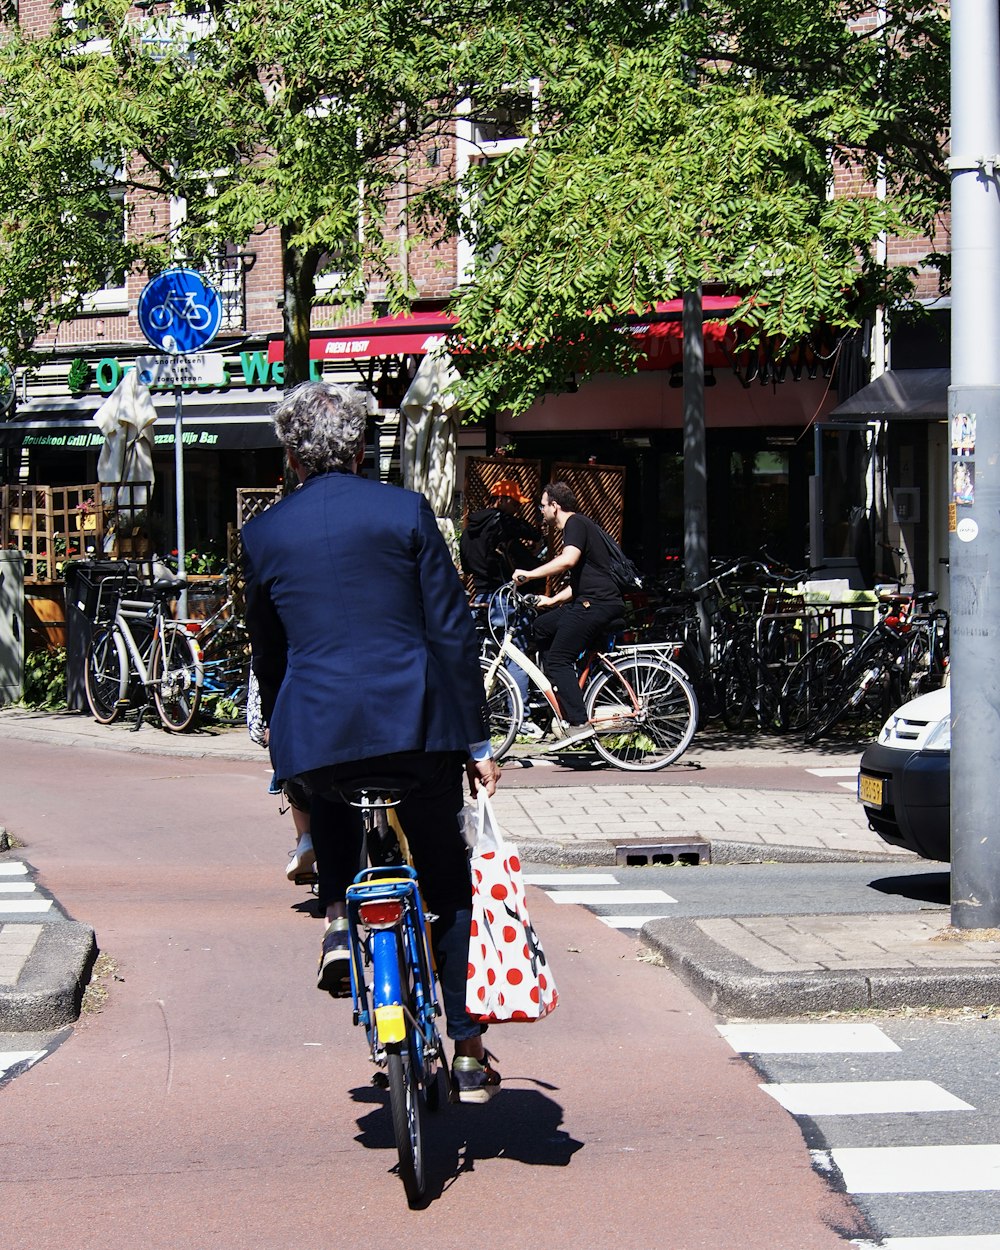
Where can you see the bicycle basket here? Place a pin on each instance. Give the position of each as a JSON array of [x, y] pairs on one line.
[[98, 587]]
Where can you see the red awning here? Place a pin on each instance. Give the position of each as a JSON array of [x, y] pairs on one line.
[[406, 334], [413, 334]]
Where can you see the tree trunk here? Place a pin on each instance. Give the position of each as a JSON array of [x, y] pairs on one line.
[[299, 288]]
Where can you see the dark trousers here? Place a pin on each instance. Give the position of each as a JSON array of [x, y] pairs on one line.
[[561, 634], [429, 815]]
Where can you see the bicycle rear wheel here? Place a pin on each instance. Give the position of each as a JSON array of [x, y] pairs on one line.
[[407, 1119], [106, 675], [806, 689], [504, 709], [644, 714], [175, 674]]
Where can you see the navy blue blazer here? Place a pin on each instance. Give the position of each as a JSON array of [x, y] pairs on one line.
[[362, 639]]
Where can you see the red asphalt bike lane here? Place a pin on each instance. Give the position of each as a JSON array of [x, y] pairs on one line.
[[218, 1101]]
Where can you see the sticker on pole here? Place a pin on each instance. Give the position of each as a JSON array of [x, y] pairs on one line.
[[179, 312], [967, 530]]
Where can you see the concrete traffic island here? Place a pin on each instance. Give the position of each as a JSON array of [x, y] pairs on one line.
[[45, 958], [767, 966]]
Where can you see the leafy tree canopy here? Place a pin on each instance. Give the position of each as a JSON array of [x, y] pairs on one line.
[[302, 115], [674, 147]]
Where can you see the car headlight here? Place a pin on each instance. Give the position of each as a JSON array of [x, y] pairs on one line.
[[939, 738]]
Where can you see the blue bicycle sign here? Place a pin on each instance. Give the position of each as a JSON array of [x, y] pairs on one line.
[[179, 312]]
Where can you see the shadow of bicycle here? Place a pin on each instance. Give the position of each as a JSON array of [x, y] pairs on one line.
[[523, 1125]]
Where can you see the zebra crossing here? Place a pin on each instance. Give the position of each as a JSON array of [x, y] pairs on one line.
[[956, 1178], [604, 889], [18, 895]]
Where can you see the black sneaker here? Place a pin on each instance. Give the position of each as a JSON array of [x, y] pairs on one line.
[[473, 1079], [335, 960]]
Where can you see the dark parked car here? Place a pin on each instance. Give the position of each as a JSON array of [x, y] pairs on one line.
[[905, 777]]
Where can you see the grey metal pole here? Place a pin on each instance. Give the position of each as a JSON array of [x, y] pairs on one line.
[[695, 453], [974, 414], [179, 491]]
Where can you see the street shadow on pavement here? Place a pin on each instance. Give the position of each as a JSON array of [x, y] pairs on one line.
[[926, 887], [518, 1124]]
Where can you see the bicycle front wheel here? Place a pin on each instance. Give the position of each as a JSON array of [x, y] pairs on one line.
[[504, 709], [407, 1119], [106, 675], [175, 674], [644, 714]]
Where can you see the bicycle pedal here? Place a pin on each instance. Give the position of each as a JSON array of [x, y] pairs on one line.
[[380, 1080], [305, 878]]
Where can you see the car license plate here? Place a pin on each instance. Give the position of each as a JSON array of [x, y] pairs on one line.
[[870, 790]]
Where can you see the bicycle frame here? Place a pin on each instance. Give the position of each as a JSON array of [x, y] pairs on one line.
[[663, 652], [396, 948], [136, 610]]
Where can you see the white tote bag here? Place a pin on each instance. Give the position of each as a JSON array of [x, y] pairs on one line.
[[509, 976]]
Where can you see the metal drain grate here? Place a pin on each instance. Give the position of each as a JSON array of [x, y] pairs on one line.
[[682, 851]]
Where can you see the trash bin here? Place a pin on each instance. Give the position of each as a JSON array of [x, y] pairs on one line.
[[83, 582]]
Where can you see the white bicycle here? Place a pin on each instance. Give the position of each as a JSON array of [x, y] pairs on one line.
[[640, 702]]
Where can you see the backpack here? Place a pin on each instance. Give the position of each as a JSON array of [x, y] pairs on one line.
[[622, 571]]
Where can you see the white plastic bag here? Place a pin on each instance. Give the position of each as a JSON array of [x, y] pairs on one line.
[[509, 976]]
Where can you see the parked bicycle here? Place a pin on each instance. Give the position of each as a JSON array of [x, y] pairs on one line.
[[840, 678], [393, 984], [757, 628], [639, 701], [225, 650], [138, 652]]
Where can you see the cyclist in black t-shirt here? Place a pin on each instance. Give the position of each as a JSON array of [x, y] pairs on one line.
[[583, 612]]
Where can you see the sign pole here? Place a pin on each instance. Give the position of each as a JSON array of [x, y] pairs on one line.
[[179, 480], [179, 313]]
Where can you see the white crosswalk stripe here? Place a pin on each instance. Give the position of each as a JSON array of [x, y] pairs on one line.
[[914, 1169], [21, 906], [863, 1097], [13, 868], [591, 898], [984, 1241], [11, 1059], [17, 887], [812, 1039], [626, 922], [569, 879]]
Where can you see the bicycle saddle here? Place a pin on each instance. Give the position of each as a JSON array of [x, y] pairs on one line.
[[377, 791]]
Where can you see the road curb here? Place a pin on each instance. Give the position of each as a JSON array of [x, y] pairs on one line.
[[733, 987], [723, 851], [49, 990]]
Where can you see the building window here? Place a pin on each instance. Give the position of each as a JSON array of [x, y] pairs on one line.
[[488, 134]]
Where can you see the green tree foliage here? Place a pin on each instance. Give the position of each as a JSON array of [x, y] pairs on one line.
[[308, 116], [674, 147]]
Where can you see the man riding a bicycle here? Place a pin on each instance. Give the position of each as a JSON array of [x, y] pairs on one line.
[[584, 611], [368, 667]]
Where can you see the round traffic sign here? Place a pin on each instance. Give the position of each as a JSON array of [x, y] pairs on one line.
[[179, 312]]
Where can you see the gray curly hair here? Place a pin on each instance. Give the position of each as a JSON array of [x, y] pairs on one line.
[[322, 425]]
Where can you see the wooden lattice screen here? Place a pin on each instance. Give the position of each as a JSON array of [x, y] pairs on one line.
[[600, 492], [251, 501], [53, 524]]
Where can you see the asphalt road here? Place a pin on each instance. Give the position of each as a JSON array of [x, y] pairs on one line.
[[769, 889], [217, 1100]]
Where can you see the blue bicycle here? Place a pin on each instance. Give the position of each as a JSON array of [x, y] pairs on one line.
[[394, 986]]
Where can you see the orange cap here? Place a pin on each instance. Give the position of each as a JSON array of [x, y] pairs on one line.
[[508, 489]]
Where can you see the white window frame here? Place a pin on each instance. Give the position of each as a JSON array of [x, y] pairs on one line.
[[469, 152]]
